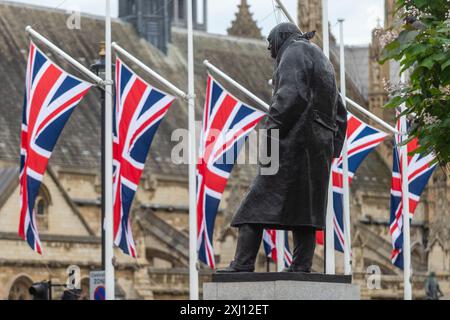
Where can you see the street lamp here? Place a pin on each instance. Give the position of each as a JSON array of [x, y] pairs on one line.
[[41, 291]]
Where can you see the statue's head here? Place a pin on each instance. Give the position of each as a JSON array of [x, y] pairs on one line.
[[279, 35]]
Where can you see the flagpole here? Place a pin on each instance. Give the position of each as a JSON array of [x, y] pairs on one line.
[[150, 71], [287, 14], [372, 116], [108, 223], [280, 250], [237, 85], [329, 229], [405, 203], [345, 185], [193, 272], [99, 81]]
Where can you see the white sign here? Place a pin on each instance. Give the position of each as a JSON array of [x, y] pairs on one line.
[[97, 285]]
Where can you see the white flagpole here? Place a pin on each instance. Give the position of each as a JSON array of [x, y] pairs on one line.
[[108, 223], [287, 14], [345, 186], [372, 116], [405, 203], [280, 250], [329, 229], [237, 85], [150, 71], [99, 81], [193, 272]]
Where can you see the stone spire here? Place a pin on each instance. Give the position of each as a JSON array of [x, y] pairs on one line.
[[244, 26]]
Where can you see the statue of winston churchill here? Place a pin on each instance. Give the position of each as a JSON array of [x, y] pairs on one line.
[[311, 120]]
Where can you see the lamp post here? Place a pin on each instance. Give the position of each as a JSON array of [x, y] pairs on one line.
[[99, 69]]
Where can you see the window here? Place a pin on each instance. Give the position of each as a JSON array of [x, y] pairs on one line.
[[42, 203], [41, 207]]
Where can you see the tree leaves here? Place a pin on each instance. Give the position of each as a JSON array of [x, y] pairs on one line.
[[445, 65], [426, 54], [427, 63], [420, 4], [395, 102], [406, 37], [395, 49]]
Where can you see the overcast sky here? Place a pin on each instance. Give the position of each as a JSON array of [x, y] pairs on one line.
[[361, 15]]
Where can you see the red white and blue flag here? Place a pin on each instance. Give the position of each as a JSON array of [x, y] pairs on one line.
[[362, 139], [270, 246], [227, 123], [420, 169], [138, 112], [51, 95]]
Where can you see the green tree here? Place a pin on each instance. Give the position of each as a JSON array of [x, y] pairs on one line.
[[422, 49]]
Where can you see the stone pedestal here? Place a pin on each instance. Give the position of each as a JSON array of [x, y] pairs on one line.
[[280, 286]]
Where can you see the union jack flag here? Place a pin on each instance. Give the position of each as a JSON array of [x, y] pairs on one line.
[[51, 95], [226, 125], [420, 170], [138, 112], [270, 246], [362, 139]]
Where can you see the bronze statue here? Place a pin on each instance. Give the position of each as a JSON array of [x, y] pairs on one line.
[[311, 120]]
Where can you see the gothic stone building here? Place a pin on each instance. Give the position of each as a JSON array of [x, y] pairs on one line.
[[68, 207]]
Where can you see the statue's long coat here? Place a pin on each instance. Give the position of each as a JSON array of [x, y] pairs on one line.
[[308, 111]]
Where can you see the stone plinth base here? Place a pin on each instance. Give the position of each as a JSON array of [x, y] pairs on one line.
[[280, 286]]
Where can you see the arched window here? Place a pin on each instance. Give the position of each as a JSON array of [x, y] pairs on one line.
[[20, 289], [41, 207]]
